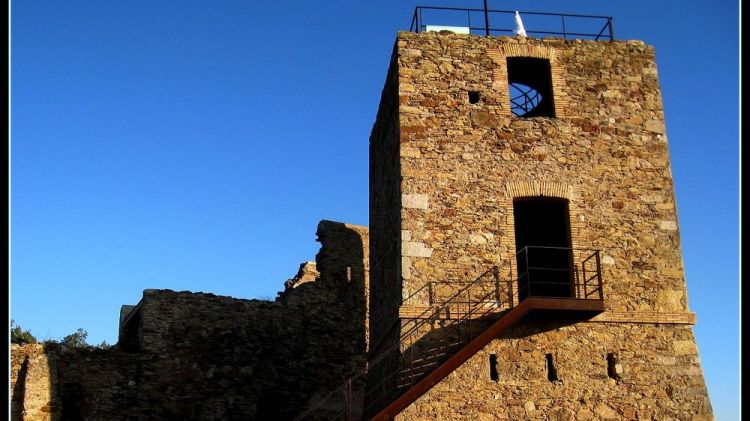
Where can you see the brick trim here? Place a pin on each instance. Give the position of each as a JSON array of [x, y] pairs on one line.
[[535, 188], [538, 188], [500, 74], [645, 317]]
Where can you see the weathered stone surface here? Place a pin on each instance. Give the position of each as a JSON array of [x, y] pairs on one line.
[[415, 249], [670, 300], [684, 348], [605, 412], [668, 225], [208, 357], [604, 152], [307, 273], [415, 201], [186, 355]]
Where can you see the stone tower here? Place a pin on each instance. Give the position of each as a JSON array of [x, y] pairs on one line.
[[565, 196]]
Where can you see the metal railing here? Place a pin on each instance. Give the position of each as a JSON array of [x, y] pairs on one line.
[[455, 314], [565, 25], [437, 333], [339, 404], [559, 272]]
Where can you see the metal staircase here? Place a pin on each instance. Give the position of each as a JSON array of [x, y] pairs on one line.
[[454, 326]]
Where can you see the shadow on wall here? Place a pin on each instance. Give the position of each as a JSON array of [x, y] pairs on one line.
[[417, 358], [185, 355], [18, 389]]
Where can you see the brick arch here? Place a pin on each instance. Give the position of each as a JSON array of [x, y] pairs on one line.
[[516, 189], [500, 73], [528, 50]]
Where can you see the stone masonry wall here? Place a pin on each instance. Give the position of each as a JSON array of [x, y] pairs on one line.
[[31, 398], [385, 215], [202, 356], [462, 164], [659, 369], [307, 273], [385, 229], [70, 383]]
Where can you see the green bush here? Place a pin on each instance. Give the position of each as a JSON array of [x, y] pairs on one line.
[[20, 336], [77, 339]]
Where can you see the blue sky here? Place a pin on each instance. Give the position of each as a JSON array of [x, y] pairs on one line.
[[195, 145]]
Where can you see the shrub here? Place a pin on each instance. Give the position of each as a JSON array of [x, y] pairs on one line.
[[20, 336], [76, 339]]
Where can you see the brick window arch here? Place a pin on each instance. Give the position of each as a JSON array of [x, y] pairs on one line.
[[538, 56]]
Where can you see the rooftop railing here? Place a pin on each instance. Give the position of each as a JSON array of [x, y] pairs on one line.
[[478, 21]]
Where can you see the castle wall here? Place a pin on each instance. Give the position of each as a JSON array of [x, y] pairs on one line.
[[659, 369], [57, 382], [203, 356], [605, 152], [18, 369], [31, 397], [444, 173], [385, 216]]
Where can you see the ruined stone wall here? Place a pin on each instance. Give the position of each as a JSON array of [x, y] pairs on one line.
[[57, 382], [307, 273], [462, 164], [208, 357], [18, 369], [31, 397]]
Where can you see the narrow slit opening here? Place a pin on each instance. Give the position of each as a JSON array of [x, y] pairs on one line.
[[551, 370], [494, 376]]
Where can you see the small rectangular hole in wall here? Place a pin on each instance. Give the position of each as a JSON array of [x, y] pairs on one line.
[[494, 376], [612, 367], [474, 97], [551, 370]]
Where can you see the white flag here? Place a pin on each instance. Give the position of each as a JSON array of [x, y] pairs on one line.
[[519, 26]]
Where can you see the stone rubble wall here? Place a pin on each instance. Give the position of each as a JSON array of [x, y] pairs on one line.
[[385, 231], [208, 357], [31, 398], [307, 273], [659, 369], [18, 370], [462, 164], [443, 176]]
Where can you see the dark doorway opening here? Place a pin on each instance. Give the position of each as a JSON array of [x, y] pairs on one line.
[[543, 254]]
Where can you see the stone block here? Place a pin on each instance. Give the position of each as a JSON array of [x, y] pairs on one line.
[[415, 249], [415, 201]]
